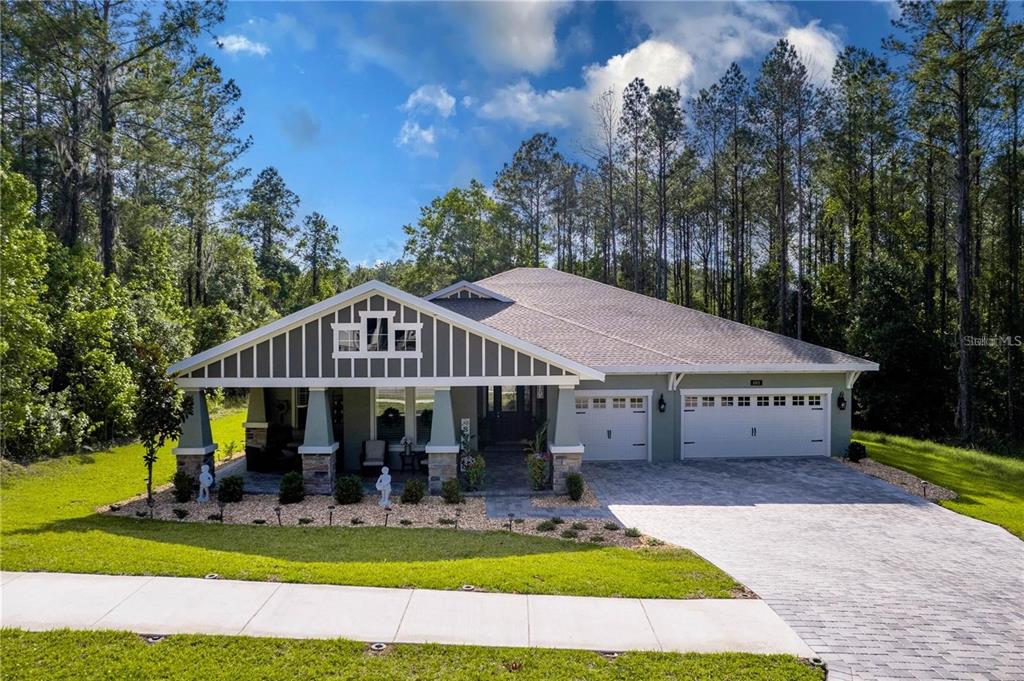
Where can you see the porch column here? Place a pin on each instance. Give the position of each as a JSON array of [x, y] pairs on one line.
[[256, 419], [443, 448], [319, 448], [565, 446], [196, 445]]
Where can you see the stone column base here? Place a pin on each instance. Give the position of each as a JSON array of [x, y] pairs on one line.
[[190, 461], [441, 467], [318, 468], [562, 464], [255, 434]]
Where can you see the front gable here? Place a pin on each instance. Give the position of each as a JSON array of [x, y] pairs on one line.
[[409, 342]]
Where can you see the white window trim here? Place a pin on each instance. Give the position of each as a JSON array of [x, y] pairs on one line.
[[393, 326]]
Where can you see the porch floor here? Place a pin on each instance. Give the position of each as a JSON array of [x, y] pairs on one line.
[[270, 483], [505, 471]]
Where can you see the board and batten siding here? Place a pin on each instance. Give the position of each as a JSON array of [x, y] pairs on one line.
[[302, 355]]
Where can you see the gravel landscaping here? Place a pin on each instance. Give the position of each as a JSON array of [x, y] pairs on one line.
[[908, 482], [588, 500], [321, 510]]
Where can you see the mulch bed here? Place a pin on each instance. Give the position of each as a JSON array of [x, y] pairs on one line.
[[315, 511], [907, 481]]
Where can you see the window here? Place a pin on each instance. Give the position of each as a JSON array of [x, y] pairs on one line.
[[424, 406], [301, 407], [377, 334], [778, 400], [405, 340], [508, 398], [598, 403], [618, 403], [706, 401], [348, 340], [690, 401], [798, 400], [390, 412], [814, 400], [762, 400], [727, 401], [581, 402], [743, 401], [636, 403]]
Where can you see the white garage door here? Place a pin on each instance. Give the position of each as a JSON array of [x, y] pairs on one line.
[[755, 424], [612, 427]]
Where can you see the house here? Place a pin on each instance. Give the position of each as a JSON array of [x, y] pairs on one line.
[[616, 376]]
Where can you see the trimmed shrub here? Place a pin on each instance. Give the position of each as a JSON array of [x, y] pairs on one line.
[[632, 532], [405, 521], [183, 483], [856, 451], [348, 489], [446, 521], [574, 486], [292, 489], [215, 517], [413, 492], [545, 526], [596, 539], [570, 534], [612, 527], [305, 521], [451, 492], [475, 473], [537, 467], [179, 513], [259, 521], [357, 521], [578, 526], [229, 489], [557, 520]]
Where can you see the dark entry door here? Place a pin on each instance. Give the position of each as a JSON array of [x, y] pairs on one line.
[[511, 414]]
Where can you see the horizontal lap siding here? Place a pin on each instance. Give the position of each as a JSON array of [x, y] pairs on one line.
[[307, 351]]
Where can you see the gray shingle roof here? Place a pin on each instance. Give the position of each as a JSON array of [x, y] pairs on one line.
[[604, 326]]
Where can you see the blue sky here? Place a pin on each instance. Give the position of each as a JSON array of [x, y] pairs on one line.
[[371, 110]]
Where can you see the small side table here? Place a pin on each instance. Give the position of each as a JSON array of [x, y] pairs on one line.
[[408, 460]]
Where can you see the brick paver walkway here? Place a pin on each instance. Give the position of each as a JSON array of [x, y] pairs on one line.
[[881, 584]]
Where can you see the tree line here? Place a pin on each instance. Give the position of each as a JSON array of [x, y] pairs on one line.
[[874, 210], [132, 235]]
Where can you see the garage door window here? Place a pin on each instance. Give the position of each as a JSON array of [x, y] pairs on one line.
[[798, 400], [762, 400], [581, 402], [727, 401], [743, 401], [598, 403], [814, 400], [707, 401], [778, 400], [690, 401], [636, 403], [618, 403]]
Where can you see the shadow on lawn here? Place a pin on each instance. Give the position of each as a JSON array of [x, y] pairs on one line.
[[321, 544]]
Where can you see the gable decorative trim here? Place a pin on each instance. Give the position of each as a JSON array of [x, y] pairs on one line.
[[467, 289]]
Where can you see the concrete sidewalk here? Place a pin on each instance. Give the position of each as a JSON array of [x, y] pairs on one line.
[[173, 605]]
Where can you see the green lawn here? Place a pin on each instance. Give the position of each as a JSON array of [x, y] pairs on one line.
[[989, 487], [48, 522], [114, 655]]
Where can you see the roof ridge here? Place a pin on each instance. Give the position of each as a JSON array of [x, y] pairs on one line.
[[714, 317]]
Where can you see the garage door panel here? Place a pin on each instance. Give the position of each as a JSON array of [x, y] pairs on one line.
[[764, 424], [612, 428]]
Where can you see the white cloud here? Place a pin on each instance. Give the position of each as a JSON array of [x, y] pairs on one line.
[[817, 47], [467, 101], [419, 141], [688, 46], [239, 44], [515, 35], [430, 98], [657, 62]]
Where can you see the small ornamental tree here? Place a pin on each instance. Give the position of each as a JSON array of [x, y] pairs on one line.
[[160, 408]]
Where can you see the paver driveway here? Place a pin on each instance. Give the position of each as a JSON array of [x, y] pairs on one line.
[[879, 583]]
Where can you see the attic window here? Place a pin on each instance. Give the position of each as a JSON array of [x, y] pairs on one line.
[[376, 334]]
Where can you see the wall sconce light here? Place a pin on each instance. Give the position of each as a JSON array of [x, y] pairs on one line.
[[661, 403], [841, 402]]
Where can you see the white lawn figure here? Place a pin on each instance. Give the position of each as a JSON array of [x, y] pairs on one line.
[[384, 487], [205, 480]]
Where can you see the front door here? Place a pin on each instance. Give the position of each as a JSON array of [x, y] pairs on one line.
[[510, 413]]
